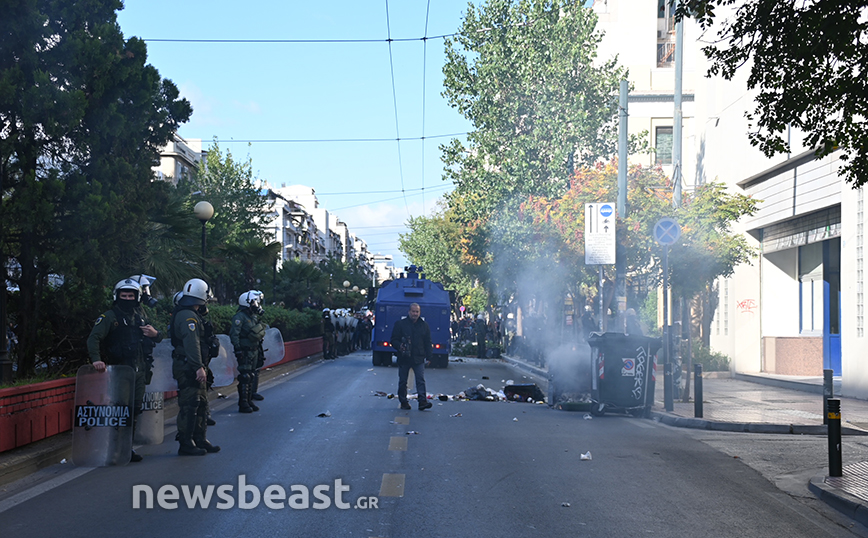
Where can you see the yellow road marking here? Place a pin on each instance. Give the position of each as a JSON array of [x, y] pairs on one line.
[[397, 443], [402, 420], [392, 485]]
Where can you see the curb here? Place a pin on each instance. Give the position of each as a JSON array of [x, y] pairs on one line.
[[843, 502], [745, 427]]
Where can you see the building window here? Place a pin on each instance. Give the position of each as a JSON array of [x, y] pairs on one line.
[[811, 288], [663, 145]]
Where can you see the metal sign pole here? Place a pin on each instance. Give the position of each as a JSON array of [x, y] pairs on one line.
[[667, 361]]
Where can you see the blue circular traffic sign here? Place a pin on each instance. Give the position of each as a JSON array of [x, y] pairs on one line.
[[606, 210], [667, 231]]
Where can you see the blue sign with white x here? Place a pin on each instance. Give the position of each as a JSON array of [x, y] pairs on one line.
[[667, 231]]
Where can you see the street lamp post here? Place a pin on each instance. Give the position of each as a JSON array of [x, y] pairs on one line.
[[346, 285], [203, 211]]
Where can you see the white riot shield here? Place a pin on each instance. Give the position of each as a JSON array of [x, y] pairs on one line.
[[149, 427], [225, 365], [162, 380], [102, 424], [273, 346]]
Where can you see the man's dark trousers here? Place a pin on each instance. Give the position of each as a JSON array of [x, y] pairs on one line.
[[404, 367]]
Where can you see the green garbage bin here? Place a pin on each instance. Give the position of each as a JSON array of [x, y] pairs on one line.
[[624, 372]]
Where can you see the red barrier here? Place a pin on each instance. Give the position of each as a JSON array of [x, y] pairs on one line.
[[31, 413], [299, 349]]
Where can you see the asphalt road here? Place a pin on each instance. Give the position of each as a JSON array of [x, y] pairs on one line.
[[498, 469]]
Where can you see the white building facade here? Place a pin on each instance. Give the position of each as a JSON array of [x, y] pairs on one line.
[[798, 308]]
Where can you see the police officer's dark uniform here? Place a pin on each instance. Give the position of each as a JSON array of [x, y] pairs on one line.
[[246, 334], [119, 336], [188, 368], [411, 338]]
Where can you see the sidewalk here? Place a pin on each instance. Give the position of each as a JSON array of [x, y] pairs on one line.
[[21, 462], [763, 403]]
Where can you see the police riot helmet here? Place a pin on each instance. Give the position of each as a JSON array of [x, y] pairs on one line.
[[196, 292], [253, 300], [128, 284], [176, 299]]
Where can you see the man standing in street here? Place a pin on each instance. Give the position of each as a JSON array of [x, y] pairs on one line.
[[411, 338], [123, 334], [188, 368]]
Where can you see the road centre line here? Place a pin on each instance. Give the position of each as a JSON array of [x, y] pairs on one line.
[[398, 443], [392, 485]]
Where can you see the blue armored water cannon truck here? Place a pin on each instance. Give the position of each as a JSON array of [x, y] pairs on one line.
[[394, 298]]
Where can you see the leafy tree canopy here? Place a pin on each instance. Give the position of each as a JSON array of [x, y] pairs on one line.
[[526, 75], [807, 62]]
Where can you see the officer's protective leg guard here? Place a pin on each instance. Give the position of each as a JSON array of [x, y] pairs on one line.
[[244, 393], [254, 395]]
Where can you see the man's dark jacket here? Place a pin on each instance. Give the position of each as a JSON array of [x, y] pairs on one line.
[[413, 338]]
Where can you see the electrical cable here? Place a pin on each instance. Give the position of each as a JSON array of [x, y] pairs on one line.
[[395, 102]]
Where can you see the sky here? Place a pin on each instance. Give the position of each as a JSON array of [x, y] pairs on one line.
[[291, 107]]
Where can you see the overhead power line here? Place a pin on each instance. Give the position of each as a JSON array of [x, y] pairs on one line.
[[299, 41], [321, 140]]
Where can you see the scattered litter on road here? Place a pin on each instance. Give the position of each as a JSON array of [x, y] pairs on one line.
[[411, 432], [292, 429], [379, 393], [63, 461], [443, 398], [515, 419], [219, 395], [370, 369], [326, 414], [588, 416], [485, 377], [586, 456], [456, 415], [565, 505]]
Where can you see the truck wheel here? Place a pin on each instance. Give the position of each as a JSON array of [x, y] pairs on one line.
[[382, 358]]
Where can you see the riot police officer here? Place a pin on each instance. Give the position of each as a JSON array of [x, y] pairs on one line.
[[188, 368], [121, 335], [246, 334]]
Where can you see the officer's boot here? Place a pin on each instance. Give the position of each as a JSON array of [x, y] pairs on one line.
[[243, 393], [201, 428], [254, 395], [186, 425]]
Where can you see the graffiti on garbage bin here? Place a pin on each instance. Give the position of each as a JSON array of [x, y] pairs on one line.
[[639, 383]]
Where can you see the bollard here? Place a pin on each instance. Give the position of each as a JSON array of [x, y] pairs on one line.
[[828, 392], [697, 390], [668, 405], [834, 416]]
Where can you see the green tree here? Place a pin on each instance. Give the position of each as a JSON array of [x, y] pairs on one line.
[[240, 215], [432, 243], [527, 76], [706, 250], [807, 67], [82, 118], [297, 280]]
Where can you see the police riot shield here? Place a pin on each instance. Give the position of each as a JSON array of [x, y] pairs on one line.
[[162, 380], [149, 426], [102, 425], [225, 365], [273, 346]]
